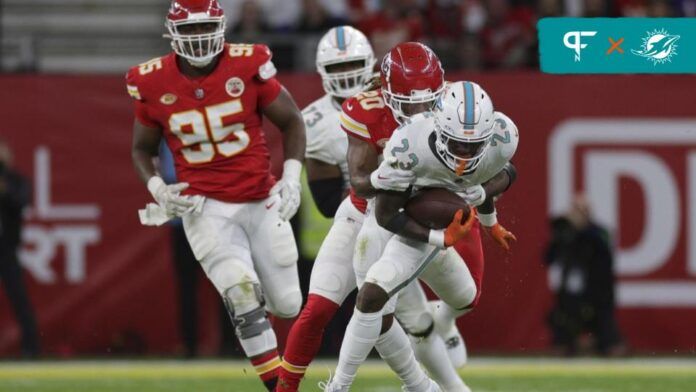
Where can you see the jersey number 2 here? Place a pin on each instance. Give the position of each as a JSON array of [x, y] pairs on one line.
[[413, 158], [200, 143]]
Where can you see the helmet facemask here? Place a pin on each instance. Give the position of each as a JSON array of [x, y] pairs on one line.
[[461, 154], [404, 106], [345, 84], [198, 48]]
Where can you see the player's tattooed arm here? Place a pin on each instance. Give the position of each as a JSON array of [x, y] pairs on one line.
[[496, 186], [144, 149], [390, 215], [284, 113], [362, 161]]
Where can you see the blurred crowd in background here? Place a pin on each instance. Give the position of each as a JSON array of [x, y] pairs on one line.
[[470, 34]]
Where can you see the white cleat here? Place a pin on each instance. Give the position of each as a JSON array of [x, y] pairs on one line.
[[448, 331], [331, 386], [432, 387]]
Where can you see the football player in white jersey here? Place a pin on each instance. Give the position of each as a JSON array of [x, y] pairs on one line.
[[345, 61], [463, 146]]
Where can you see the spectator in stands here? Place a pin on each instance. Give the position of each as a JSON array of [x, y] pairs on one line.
[[281, 15], [580, 262], [396, 22], [549, 8], [249, 25], [14, 196], [685, 8], [315, 17], [659, 9], [595, 8], [509, 36]]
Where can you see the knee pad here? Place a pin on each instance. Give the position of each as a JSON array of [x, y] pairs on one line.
[[283, 247], [419, 324], [244, 303], [384, 274], [287, 306]]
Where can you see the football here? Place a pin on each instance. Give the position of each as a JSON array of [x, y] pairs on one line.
[[435, 207]]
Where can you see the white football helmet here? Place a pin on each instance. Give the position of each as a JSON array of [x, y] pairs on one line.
[[463, 125], [339, 45]]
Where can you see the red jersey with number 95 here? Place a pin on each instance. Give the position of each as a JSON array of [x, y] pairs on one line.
[[212, 124]]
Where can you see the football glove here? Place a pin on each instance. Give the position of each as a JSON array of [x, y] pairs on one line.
[[390, 177], [289, 189], [169, 196]]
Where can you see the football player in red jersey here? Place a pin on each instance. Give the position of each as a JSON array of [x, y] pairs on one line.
[[206, 99], [339, 52]]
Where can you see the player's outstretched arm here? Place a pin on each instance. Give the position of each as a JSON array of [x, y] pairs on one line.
[[144, 149], [284, 113], [487, 214], [326, 184]]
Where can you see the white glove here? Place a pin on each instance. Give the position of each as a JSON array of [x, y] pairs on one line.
[[389, 177], [289, 189], [168, 196], [474, 195]]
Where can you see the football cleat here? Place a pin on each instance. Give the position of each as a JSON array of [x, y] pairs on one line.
[[448, 331]]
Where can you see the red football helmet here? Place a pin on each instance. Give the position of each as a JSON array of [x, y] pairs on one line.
[[412, 79], [198, 46]]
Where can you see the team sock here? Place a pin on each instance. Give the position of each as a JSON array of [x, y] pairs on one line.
[[266, 367], [360, 337], [394, 347], [304, 341], [432, 353]]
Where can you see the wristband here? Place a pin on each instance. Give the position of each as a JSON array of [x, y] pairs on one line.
[[437, 238], [292, 168], [488, 220]]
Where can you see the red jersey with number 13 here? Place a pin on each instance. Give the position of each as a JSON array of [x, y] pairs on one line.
[[212, 124], [366, 117]]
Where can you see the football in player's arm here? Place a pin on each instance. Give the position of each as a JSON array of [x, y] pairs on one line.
[[471, 153]]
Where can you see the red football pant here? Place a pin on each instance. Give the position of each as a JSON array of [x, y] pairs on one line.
[[471, 250]]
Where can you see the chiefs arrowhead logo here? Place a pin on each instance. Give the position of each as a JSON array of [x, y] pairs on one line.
[[234, 87], [168, 99]]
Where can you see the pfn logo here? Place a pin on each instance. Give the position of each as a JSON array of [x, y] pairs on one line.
[[640, 176], [576, 43]]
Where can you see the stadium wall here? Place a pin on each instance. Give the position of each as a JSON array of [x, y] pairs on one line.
[[102, 284]]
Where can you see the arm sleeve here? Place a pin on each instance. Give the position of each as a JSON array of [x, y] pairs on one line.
[[327, 194]]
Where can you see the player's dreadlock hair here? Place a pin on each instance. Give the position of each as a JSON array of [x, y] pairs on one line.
[[374, 83]]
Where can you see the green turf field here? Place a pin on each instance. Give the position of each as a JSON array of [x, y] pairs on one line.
[[519, 375]]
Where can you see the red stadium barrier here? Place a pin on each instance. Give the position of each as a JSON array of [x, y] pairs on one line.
[[101, 283]]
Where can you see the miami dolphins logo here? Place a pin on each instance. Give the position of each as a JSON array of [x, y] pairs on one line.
[[658, 46]]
